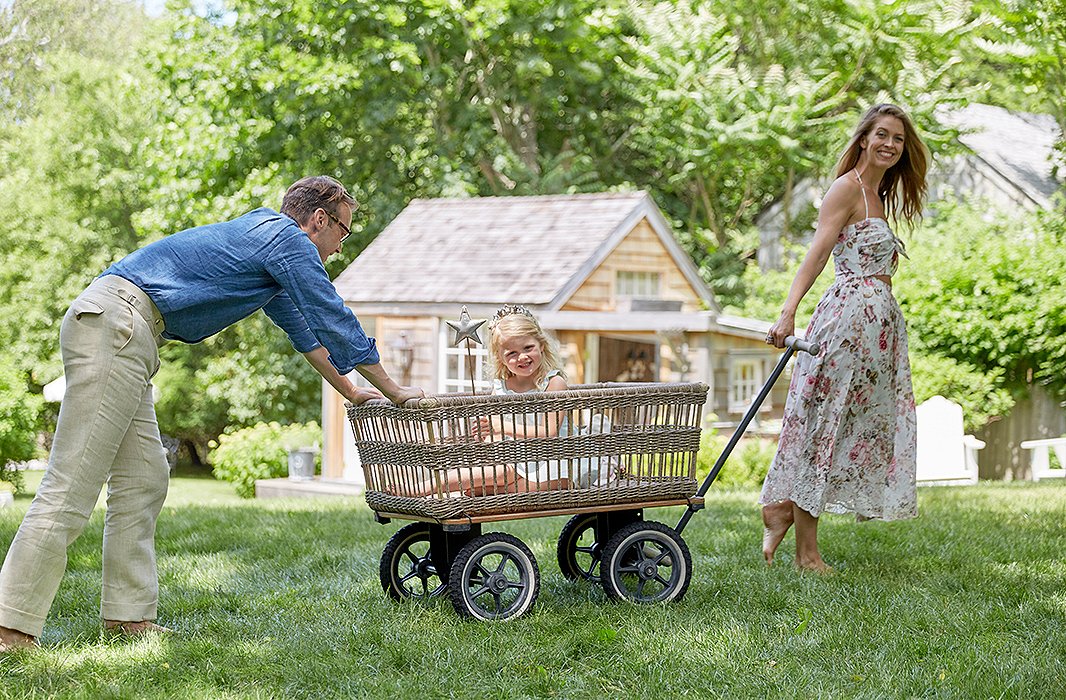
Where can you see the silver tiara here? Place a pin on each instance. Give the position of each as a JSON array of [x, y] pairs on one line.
[[510, 310]]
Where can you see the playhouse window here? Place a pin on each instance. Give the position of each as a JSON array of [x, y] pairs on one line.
[[745, 380], [637, 284], [455, 367]]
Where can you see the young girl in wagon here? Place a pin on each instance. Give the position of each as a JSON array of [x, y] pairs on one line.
[[523, 359]]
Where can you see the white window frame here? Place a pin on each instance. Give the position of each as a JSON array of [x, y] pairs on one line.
[[637, 284], [461, 384], [744, 388]]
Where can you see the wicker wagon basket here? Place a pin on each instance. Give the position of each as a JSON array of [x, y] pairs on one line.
[[616, 444]]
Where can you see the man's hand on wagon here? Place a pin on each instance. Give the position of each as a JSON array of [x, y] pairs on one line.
[[406, 393], [361, 394]]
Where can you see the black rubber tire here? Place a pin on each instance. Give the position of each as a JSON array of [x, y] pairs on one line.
[[494, 577], [578, 551], [642, 555], [407, 569]]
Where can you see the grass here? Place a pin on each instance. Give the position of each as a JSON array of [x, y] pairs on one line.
[[281, 599]]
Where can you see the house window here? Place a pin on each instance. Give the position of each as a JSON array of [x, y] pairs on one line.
[[636, 284], [745, 381], [456, 368]]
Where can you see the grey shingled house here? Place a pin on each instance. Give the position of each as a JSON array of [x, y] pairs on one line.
[[602, 272]]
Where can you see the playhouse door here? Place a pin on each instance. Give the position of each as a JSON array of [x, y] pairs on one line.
[[627, 360]]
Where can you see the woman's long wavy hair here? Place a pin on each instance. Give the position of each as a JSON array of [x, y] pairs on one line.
[[903, 187], [518, 324]]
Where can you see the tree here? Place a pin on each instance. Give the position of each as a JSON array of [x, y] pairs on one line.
[[71, 140], [985, 303], [80, 168], [1019, 60], [740, 100]]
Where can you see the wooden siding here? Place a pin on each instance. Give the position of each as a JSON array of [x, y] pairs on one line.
[[422, 335], [640, 251], [333, 433], [572, 348]]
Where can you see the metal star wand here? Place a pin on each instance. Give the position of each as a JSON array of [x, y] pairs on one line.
[[466, 329]]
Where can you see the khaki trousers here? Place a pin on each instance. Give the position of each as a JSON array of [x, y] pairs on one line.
[[107, 432]]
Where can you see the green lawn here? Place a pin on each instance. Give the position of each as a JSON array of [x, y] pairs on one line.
[[281, 599]]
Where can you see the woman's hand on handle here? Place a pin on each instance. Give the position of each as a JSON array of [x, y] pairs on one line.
[[783, 328]]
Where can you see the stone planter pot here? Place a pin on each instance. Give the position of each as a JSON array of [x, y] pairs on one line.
[[302, 464]]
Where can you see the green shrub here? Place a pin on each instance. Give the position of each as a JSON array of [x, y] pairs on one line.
[[19, 410], [981, 393], [259, 452], [746, 466]]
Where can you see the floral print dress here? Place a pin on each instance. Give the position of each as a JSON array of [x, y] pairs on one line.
[[848, 439]]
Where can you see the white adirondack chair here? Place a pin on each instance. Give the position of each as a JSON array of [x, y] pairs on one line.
[[1040, 458], [945, 454]]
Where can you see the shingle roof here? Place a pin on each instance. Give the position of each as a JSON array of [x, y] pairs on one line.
[[1018, 145], [492, 250]]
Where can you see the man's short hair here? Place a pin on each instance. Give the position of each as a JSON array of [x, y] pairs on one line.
[[311, 193]]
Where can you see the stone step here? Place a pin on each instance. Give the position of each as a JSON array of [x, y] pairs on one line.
[[310, 488]]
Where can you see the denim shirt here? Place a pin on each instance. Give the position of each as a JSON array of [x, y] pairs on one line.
[[207, 278]]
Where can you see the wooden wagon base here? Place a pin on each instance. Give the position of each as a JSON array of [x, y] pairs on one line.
[[464, 522], [530, 504]]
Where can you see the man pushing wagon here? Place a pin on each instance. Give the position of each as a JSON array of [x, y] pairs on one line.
[[184, 287]]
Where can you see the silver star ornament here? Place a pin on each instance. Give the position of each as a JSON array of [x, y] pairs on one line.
[[466, 328]]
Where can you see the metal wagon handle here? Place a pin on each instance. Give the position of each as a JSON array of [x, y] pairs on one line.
[[801, 345], [792, 344]]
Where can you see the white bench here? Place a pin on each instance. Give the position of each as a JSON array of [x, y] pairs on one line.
[[1040, 458]]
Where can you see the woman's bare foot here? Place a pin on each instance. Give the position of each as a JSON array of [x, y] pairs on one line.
[[777, 519], [134, 629], [10, 640], [814, 565]]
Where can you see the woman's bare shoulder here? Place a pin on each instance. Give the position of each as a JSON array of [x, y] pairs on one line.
[[842, 195], [843, 186]]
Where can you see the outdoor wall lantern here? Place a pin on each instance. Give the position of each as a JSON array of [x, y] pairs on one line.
[[404, 354]]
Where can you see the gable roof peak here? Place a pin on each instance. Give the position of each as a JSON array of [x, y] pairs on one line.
[[531, 250]]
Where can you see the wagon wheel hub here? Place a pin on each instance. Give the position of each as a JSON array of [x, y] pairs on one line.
[[648, 569], [497, 583], [424, 568]]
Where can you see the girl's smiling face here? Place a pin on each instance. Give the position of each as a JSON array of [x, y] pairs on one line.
[[521, 355]]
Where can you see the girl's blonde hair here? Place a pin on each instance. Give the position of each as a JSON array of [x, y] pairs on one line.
[[517, 323], [903, 187]]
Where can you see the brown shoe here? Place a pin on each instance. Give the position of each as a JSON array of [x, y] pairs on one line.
[[134, 629], [13, 640]]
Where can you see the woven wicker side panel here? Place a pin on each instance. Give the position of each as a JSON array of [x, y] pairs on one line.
[[605, 446], [653, 440], [530, 502]]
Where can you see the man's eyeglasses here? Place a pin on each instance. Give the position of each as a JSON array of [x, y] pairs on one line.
[[347, 231]]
